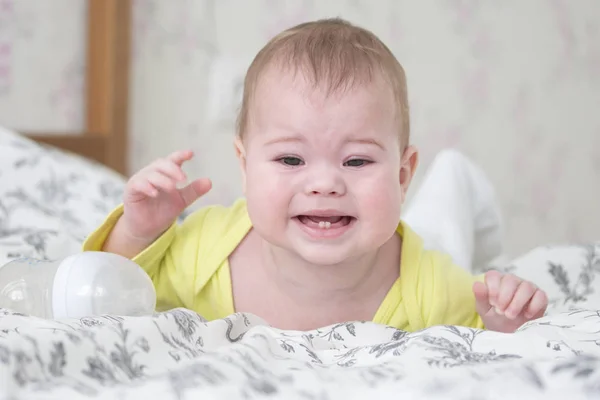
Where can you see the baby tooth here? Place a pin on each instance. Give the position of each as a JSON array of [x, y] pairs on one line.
[[324, 224]]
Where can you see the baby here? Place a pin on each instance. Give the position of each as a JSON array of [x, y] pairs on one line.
[[323, 146]]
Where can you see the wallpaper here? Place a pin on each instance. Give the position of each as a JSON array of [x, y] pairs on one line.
[[42, 64], [514, 85]]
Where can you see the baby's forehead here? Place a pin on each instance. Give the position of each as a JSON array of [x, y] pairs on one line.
[[285, 107], [288, 99], [277, 76], [290, 92]]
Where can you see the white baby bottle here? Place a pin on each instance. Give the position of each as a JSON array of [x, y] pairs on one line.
[[82, 285]]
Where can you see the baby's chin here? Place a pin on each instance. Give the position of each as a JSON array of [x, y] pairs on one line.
[[325, 256]]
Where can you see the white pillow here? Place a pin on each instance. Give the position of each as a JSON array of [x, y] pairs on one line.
[[50, 199]]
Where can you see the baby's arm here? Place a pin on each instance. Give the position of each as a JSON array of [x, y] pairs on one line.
[[170, 261], [143, 228], [446, 294], [450, 295], [119, 241]]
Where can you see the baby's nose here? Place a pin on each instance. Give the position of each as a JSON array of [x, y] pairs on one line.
[[327, 182]]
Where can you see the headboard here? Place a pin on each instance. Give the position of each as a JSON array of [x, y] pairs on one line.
[[104, 138]]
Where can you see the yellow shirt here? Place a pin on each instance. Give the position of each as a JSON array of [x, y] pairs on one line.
[[189, 267]]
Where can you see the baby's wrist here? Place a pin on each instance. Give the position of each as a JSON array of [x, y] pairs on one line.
[[130, 236]]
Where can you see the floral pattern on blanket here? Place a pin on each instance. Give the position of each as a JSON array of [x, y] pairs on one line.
[[177, 354], [49, 199]]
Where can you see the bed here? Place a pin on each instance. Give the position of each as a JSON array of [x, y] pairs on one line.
[[55, 189]]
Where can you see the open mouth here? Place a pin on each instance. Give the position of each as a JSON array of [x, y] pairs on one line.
[[325, 223]]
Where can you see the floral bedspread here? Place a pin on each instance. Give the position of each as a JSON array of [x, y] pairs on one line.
[[178, 355]]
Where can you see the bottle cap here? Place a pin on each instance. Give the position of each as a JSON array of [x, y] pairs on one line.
[[96, 283]]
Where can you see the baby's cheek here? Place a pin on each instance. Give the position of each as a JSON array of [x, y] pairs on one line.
[[381, 190], [267, 193], [382, 205]]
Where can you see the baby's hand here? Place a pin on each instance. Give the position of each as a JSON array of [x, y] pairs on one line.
[[505, 302], [152, 199]]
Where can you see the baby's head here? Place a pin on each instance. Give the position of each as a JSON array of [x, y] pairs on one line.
[[323, 141]]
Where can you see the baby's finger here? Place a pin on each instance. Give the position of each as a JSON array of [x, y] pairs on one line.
[[482, 299], [537, 305], [142, 186], [520, 300], [492, 281], [195, 190], [171, 169], [508, 288], [179, 157], [161, 181]]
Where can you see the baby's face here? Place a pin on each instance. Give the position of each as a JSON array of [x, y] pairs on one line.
[[322, 175]]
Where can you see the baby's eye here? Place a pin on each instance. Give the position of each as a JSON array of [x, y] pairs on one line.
[[356, 163], [291, 161]]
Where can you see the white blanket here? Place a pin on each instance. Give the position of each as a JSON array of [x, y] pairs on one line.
[[177, 355]]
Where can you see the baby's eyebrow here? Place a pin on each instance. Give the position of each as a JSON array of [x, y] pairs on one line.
[[284, 139], [300, 139], [369, 141]]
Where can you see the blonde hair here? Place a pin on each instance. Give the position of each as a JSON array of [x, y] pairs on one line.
[[334, 53]]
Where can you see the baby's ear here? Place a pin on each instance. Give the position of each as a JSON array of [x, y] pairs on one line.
[[408, 166], [240, 152]]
